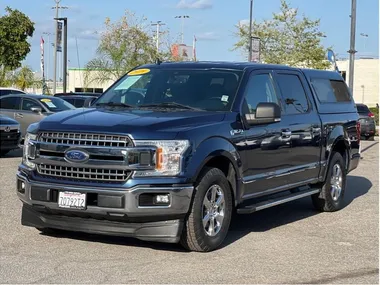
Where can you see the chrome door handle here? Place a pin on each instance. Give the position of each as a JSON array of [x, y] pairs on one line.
[[286, 133]]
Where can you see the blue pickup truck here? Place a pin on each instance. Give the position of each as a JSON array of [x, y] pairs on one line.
[[172, 150]]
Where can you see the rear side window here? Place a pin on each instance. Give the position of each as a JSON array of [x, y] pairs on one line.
[[78, 103], [10, 103], [330, 91], [293, 93]]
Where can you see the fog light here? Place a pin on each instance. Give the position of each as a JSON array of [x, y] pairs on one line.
[[21, 186], [162, 199]]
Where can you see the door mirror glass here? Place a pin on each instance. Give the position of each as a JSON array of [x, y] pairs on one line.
[[266, 113], [37, 110]]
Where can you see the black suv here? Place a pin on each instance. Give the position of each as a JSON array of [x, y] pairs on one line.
[[171, 150], [9, 134]]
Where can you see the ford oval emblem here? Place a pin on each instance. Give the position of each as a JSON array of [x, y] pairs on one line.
[[76, 156]]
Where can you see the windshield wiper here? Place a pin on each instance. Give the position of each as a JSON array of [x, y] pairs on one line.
[[170, 105], [113, 104]]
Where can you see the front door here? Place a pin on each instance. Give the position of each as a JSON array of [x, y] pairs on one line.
[[268, 147], [27, 116]]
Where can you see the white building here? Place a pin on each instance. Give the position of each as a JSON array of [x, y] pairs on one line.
[[366, 79], [77, 82]]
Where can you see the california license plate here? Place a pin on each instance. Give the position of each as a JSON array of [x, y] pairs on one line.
[[72, 200]]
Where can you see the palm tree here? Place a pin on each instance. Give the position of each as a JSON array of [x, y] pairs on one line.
[[24, 78]]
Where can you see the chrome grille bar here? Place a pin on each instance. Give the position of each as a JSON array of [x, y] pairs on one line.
[[84, 139]]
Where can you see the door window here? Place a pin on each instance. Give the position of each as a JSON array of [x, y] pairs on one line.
[[293, 93], [10, 103], [259, 89], [28, 104]]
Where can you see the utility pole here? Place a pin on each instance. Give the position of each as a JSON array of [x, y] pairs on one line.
[[182, 26], [250, 30], [64, 63], [158, 24], [56, 42], [352, 50]]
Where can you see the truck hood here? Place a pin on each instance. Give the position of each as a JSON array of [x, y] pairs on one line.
[[140, 124]]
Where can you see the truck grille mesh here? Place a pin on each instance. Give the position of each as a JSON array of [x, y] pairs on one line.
[[83, 139], [83, 173]]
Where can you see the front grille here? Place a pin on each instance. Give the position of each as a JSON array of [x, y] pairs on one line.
[[83, 173], [84, 139], [9, 132]]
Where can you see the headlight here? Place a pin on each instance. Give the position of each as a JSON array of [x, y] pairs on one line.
[[29, 150], [167, 158]]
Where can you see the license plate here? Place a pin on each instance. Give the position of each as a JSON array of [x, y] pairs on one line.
[[72, 200]]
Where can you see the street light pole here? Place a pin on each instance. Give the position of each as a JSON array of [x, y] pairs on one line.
[[365, 40], [182, 26], [56, 42], [352, 50], [250, 30]]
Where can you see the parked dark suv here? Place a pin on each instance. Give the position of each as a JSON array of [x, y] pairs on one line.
[[9, 135], [367, 121], [172, 161]]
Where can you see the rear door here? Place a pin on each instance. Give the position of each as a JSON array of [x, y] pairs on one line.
[[304, 125], [9, 106], [27, 116], [266, 158]]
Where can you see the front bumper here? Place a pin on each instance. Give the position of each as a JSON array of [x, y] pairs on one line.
[[114, 211]]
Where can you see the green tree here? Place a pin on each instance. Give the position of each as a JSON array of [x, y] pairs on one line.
[[24, 78], [15, 28], [124, 45], [286, 39]]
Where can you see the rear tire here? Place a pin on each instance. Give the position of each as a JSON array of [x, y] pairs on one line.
[[210, 214], [331, 197]]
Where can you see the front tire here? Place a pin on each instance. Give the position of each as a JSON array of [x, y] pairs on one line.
[[332, 195], [210, 215]]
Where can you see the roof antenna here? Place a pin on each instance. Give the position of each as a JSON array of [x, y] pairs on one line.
[[158, 61]]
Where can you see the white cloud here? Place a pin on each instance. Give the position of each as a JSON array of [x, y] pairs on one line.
[[208, 36], [194, 4]]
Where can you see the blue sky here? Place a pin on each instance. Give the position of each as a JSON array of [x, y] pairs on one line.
[[212, 21]]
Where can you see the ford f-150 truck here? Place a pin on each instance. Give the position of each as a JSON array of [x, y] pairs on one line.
[[171, 150]]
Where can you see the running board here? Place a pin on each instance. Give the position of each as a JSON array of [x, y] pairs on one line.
[[276, 201]]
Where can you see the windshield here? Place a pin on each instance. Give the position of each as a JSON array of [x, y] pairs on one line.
[[210, 90], [56, 104]]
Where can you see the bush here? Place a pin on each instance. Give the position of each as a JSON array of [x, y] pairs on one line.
[[375, 111]]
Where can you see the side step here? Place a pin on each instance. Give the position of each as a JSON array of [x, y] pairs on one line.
[[276, 201]]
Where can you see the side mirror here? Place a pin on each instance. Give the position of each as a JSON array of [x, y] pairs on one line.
[[266, 113], [37, 110]]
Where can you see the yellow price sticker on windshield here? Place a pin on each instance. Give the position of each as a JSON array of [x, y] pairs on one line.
[[139, 71], [45, 100]]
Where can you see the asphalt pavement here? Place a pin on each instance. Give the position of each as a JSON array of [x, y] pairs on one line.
[[290, 243]]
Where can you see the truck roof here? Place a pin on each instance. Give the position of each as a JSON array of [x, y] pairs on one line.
[[217, 64]]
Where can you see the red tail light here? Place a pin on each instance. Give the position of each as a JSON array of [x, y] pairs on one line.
[[371, 115]]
